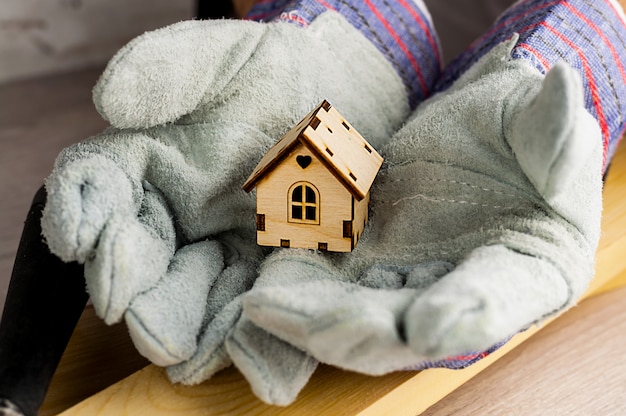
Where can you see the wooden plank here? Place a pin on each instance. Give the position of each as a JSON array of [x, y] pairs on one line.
[[332, 391], [96, 357]]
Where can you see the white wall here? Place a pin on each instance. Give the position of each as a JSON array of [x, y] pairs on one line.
[[45, 36]]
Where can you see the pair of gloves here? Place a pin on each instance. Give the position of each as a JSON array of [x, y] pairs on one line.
[[484, 219]]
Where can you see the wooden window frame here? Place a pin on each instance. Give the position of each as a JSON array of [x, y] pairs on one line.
[[304, 204]]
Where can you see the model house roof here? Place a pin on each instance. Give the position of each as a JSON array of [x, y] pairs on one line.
[[344, 152]]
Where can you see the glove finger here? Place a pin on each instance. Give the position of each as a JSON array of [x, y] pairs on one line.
[[554, 137], [131, 255], [223, 308], [166, 73], [494, 293], [211, 355], [198, 168], [276, 371], [346, 325], [418, 276], [92, 182], [242, 257], [164, 322], [270, 304], [82, 198]]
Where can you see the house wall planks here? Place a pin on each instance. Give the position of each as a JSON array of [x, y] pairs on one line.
[[273, 200]]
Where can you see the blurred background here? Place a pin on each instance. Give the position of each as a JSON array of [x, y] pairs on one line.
[[40, 37]]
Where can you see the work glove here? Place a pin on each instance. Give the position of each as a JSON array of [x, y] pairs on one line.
[[153, 205], [484, 221]]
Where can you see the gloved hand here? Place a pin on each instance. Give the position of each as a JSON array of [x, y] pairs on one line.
[[153, 206], [484, 221]]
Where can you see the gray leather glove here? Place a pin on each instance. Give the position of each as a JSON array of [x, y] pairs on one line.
[[153, 206], [485, 220]]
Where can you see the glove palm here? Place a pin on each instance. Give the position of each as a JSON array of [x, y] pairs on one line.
[[484, 221]]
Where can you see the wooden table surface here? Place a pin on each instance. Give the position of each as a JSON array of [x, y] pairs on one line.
[[572, 366]]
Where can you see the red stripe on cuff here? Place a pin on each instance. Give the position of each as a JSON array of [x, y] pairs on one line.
[[402, 46], [424, 26]]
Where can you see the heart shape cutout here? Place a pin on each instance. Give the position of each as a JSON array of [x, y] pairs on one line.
[[303, 161]]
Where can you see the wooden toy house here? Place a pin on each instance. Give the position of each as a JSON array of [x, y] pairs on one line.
[[312, 186]]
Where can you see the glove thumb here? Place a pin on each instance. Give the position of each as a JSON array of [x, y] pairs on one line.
[[164, 74]]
